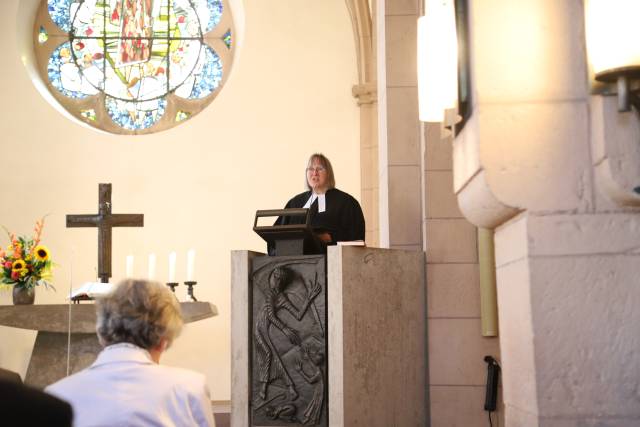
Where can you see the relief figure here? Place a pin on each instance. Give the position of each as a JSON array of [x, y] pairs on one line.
[[270, 366]]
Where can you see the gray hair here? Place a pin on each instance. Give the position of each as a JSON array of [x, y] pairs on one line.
[[139, 312], [322, 159]]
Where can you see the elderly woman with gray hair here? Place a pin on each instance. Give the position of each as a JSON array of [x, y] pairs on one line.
[[126, 386]]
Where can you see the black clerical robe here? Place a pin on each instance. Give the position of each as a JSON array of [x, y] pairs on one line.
[[342, 218]]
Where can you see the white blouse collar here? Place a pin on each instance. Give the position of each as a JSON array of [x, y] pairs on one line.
[[322, 202]]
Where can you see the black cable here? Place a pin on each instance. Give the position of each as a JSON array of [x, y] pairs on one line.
[[490, 422]]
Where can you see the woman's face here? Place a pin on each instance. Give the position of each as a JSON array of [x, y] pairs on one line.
[[317, 177]]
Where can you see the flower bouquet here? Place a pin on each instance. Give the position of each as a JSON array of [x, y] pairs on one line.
[[26, 263]]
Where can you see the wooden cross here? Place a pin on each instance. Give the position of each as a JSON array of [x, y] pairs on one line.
[[105, 221]]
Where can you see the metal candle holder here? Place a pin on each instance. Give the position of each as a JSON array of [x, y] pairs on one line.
[[173, 285], [190, 284]]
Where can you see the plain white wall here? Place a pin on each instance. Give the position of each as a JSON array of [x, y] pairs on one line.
[[198, 184]]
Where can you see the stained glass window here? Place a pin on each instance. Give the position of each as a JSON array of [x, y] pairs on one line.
[[120, 65]]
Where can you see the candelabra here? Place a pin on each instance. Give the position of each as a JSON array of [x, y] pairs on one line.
[[190, 284]]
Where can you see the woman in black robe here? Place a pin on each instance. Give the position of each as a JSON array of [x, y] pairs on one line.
[[335, 215]]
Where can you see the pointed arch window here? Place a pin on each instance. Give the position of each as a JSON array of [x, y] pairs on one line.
[[134, 66]]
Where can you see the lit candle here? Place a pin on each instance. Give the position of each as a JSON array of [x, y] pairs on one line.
[[152, 266], [129, 269], [172, 267], [191, 260]]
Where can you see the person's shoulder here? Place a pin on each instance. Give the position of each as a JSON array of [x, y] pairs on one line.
[[72, 382], [342, 195], [186, 377], [299, 199]]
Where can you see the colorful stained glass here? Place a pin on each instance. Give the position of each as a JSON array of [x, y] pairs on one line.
[[65, 76], [209, 12], [42, 35], [135, 115], [227, 39], [215, 13], [204, 78], [61, 11], [136, 52], [89, 114], [182, 115]]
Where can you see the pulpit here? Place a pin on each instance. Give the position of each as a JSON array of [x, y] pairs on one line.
[[329, 340], [56, 334]]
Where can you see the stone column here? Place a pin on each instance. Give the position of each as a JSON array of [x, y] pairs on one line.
[[363, 18], [399, 160], [539, 162]]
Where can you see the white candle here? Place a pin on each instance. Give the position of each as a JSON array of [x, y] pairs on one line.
[[152, 266], [129, 269], [191, 260], [172, 267]]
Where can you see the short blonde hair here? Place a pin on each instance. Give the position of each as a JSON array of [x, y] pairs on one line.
[[326, 164], [139, 312]]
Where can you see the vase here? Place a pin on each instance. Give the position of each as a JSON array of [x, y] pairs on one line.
[[23, 296]]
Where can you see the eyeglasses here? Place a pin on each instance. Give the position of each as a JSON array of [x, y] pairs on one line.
[[318, 169]]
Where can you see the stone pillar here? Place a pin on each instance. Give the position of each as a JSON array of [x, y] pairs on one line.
[[399, 159], [363, 18], [544, 163]]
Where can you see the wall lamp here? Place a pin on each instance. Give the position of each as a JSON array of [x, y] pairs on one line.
[[437, 61], [613, 47]]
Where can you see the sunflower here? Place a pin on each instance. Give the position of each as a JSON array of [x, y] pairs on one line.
[[18, 265], [41, 252]]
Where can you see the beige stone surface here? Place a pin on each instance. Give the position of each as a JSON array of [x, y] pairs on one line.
[[457, 351], [585, 325], [377, 337], [369, 166], [466, 153], [612, 233], [519, 379], [401, 50], [403, 127], [404, 205], [407, 247], [371, 237], [368, 125], [478, 203], [402, 7], [515, 416], [370, 209], [529, 148], [451, 241], [459, 406], [438, 153], [453, 290], [511, 241], [441, 202], [240, 350], [528, 50]]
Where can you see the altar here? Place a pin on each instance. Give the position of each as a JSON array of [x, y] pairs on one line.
[[48, 361]]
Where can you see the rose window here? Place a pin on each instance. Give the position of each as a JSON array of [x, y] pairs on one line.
[[134, 66]]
